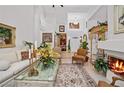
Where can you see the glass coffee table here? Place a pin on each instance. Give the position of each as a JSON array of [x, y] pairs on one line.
[[45, 78]]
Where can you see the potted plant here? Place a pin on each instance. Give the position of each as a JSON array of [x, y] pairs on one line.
[[101, 65], [84, 44]]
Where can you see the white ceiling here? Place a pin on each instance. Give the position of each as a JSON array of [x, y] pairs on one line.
[[81, 8], [72, 8]]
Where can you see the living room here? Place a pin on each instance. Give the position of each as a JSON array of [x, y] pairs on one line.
[[61, 46]]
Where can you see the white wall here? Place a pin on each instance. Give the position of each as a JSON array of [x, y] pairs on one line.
[[111, 34], [22, 18], [50, 19], [100, 15]]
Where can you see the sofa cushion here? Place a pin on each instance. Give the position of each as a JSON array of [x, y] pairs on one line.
[[11, 56], [4, 65], [4, 75], [18, 66]]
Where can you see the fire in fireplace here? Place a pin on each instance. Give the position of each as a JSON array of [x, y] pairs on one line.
[[116, 65]]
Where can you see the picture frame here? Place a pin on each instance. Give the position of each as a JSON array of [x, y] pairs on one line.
[[7, 36], [74, 25], [47, 37], [61, 28], [118, 19]]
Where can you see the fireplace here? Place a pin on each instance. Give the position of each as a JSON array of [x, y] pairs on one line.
[[116, 65]]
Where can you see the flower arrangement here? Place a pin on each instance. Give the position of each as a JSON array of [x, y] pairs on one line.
[[47, 56]]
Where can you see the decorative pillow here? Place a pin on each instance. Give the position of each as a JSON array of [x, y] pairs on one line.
[[24, 55], [4, 65]]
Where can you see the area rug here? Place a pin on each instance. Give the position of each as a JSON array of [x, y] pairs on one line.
[[73, 75]]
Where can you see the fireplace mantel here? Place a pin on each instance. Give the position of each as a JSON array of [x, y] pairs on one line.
[[112, 45]]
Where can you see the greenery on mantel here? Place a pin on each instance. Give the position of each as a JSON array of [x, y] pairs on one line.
[[102, 23]]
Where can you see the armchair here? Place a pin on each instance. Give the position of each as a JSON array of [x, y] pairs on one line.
[[80, 55], [112, 84]]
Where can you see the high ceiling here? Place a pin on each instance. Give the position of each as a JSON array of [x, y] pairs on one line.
[[72, 8], [81, 8]]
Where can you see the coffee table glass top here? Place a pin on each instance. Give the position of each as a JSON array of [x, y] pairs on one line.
[[44, 75]]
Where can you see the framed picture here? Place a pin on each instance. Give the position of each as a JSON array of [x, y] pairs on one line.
[[61, 28], [7, 36], [118, 19], [74, 25], [47, 37]]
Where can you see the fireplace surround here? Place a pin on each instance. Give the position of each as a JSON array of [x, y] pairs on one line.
[[114, 49]]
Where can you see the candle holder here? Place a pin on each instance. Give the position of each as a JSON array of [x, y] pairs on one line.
[[32, 70]]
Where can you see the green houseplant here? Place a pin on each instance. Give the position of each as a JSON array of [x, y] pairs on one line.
[[84, 45], [101, 65]]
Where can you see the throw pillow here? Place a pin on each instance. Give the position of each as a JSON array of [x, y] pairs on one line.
[[4, 65], [24, 55]]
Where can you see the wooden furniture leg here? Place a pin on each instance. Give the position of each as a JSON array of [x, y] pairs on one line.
[[114, 79]]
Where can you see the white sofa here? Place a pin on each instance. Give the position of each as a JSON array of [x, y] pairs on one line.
[[16, 66]]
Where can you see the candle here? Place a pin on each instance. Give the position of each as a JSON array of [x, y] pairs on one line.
[[29, 53], [32, 49], [35, 45]]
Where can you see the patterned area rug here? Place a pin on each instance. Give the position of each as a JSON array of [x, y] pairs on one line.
[[73, 75]]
